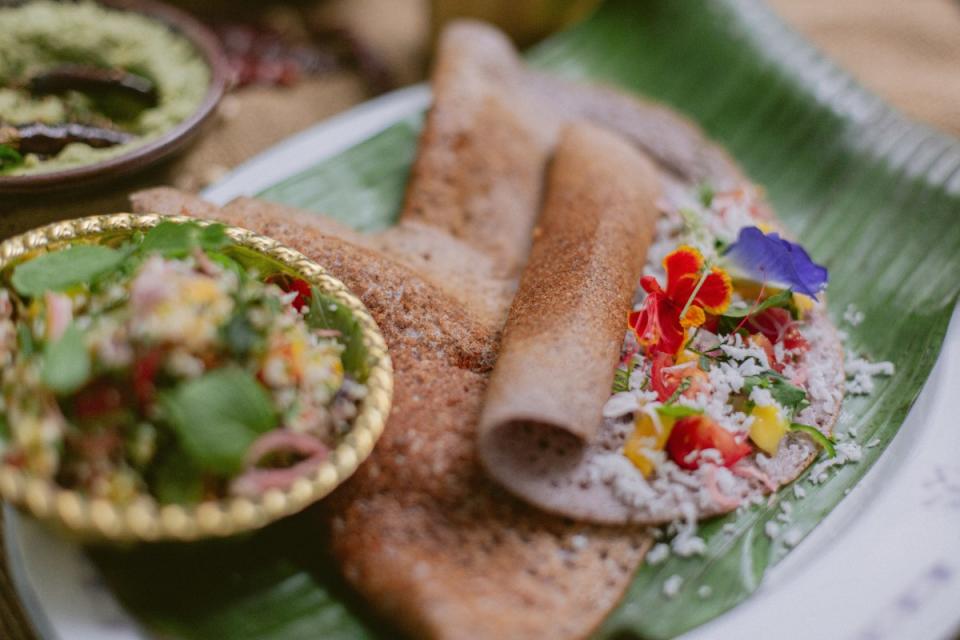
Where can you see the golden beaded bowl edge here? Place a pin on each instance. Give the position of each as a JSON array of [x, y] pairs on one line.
[[144, 519]]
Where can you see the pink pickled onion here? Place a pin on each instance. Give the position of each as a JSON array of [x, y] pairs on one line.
[[725, 501], [745, 471], [283, 440], [254, 482]]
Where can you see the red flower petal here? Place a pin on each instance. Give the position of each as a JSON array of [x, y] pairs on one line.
[[650, 284], [683, 270], [657, 325], [663, 386], [715, 292]]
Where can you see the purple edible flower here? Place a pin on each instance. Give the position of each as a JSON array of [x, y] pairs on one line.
[[768, 257]]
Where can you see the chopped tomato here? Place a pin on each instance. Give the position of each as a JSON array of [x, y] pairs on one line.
[[145, 370], [666, 377], [96, 400], [778, 326], [698, 433], [299, 285], [764, 343]]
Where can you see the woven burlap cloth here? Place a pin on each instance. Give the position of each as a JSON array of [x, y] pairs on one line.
[[907, 51]]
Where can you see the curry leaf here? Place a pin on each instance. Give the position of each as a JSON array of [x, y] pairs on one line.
[[782, 299], [9, 158], [59, 270], [786, 394], [218, 416], [327, 313]]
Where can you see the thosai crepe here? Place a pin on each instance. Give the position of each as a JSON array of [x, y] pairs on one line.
[[503, 409]]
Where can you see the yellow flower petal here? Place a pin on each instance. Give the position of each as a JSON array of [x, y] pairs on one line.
[[694, 317]]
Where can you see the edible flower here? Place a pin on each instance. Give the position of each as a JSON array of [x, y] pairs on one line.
[[769, 258], [693, 290]]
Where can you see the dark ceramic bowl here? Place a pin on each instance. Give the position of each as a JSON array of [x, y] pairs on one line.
[[161, 147]]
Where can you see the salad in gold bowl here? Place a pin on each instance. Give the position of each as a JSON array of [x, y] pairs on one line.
[[166, 378]]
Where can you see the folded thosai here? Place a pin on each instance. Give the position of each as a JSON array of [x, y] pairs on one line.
[[596, 403], [715, 387]]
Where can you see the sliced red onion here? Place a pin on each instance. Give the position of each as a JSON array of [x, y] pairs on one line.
[[723, 500], [254, 482], [59, 314], [284, 441], [746, 471]]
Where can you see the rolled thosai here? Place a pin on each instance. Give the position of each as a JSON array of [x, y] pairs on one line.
[[562, 339], [479, 171]]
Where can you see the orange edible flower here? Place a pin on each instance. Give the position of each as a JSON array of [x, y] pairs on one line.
[[691, 293]]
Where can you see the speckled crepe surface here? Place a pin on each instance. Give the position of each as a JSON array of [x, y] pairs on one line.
[[562, 340], [420, 530]]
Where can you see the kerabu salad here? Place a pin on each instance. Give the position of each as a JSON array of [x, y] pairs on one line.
[[175, 364]]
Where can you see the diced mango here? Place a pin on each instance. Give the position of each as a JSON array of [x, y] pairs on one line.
[[803, 303], [768, 428], [751, 290], [648, 436], [766, 228]]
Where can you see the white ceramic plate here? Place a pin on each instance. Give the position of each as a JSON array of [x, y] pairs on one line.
[[884, 564]]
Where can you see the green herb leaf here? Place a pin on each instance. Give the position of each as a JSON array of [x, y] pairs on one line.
[[169, 239], [66, 366], [214, 237], [177, 480], [9, 157], [621, 380], [786, 394], [227, 262], [824, 441], [177, 239], [79, 264], [678, 411], [240, 334], [783, 299], [25, 342], [683, 386], [705, 193], [218, 416], [327, 313]]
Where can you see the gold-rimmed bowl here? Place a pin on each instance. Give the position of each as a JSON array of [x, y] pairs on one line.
[[143, 519]]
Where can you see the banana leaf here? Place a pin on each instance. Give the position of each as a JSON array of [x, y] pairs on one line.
[[873, 196]]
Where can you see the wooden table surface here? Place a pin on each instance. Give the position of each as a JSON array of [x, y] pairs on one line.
[[907, 51]]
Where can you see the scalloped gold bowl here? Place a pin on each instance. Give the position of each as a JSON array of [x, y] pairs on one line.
[[144, 520]]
